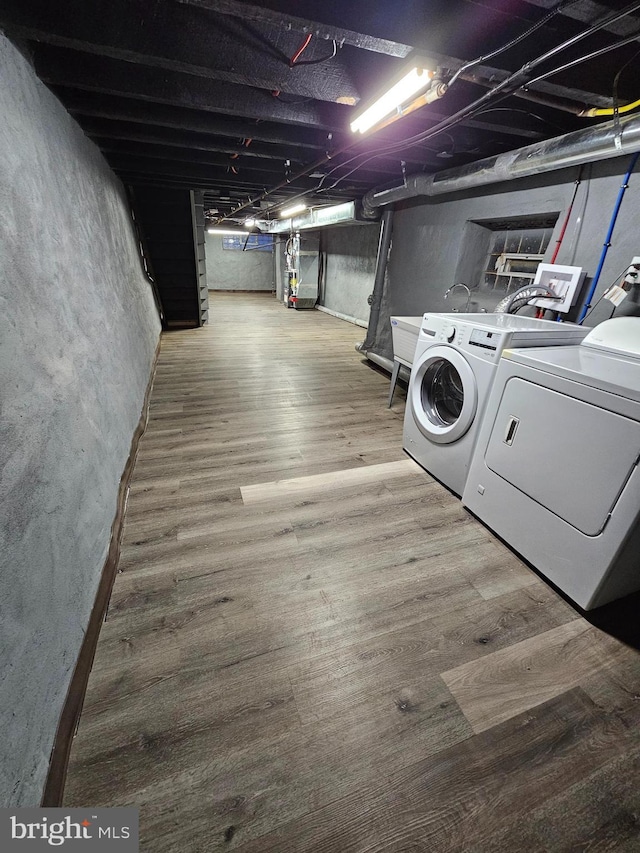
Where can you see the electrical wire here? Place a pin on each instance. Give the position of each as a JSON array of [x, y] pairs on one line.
[[513, 80], [512, 43], [451, 121], [598, 301], [616, 109], [296, 56], [567, 217], [466, 112], [503, 89], [607, 240], [322, 59], [594, 55], [472, 110], [609, 111], [579, 219], [524, 113], [556, 251], [616, 80]]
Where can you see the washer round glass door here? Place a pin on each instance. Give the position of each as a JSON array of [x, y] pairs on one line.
[[443, 394]]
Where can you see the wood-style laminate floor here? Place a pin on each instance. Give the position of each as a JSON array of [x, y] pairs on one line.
[[311, 646]]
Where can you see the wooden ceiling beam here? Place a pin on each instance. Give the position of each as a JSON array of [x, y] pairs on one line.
[[178, 38], [325, 32], [104, 129], [62, 67], [121, 108]]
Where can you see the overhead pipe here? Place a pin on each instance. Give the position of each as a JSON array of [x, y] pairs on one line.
[[337, 214], [603, 142], [554, 101], [607, 239]]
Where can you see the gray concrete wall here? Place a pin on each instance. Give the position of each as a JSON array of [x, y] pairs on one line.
[[78, 330], [235, 270], [350, 253], [434, 240]]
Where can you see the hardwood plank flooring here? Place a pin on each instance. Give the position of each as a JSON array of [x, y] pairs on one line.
[[312, 648], [530, 672]]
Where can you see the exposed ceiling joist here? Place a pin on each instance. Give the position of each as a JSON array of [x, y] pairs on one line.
[[144, 165], [419, 44], [203, 93], [327, 32], [164, 136], [121, 108], [587, 11], [60, 66], [233, 60], [273, 170]]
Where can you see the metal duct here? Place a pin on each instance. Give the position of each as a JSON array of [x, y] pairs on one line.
[[338, 214], [602, 142]]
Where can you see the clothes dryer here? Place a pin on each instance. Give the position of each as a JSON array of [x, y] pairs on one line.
[[555, 471], [454, 366]]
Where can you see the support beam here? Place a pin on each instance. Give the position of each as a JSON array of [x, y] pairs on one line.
[[588, 11], [102, 129], [60, 66], [81, 103], [196, 172], [260, 14], [178, 38], [411, 27], [272, 169]]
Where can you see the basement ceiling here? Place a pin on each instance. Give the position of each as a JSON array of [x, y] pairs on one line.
[[252, 103]]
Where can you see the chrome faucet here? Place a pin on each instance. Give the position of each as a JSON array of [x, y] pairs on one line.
[[453, 287]]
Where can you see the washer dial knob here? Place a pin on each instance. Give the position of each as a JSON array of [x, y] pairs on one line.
[[450, 333]]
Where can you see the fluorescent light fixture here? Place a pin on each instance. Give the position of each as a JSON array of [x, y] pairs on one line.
[[233, 231], [249, 223], [407, 87], [295, 208]]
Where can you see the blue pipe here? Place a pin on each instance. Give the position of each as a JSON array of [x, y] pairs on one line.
[[607, 242]]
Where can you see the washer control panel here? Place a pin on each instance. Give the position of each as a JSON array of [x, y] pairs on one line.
[[485, 343], [484, 339], [486, 336]]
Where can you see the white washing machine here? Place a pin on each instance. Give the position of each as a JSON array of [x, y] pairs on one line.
[[454, 366], [555, 472]]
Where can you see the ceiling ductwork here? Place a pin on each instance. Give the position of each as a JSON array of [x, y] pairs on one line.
[[603, 142], [339, 214]]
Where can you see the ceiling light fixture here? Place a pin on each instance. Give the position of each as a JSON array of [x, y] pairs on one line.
[[295, 208], [400, 99], [233, 231], [250, 223]]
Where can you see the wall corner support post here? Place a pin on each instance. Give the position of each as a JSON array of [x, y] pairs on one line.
[[384, 245]]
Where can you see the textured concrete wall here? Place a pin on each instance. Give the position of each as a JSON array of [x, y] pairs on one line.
[[433, 240], [350, 268], [234, 270], [78, 330]]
